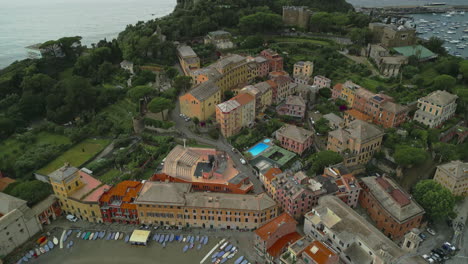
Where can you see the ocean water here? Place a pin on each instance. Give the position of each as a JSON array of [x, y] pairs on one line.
[[28, 22], [378, 3]]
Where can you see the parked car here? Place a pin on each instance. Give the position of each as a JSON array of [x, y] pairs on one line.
[[243, 161], [72, 218], [448, 246], [431, 231], [428, 258], [422, 236]]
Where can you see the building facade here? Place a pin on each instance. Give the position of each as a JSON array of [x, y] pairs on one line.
[[188, 59], [295, 139], [294, 106], [220, 38], [296, 16], [302, 72], [308, 251], [275, 61], [47, 210], [391, 209], [322, 82], [78, 193], [435, 108], [117, 203], [174, 204], [235, 114], [454, 177], [391, 35], [357, 142]]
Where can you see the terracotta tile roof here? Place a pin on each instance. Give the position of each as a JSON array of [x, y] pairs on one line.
[[243, 98], [92, 189], [126, 189], [338, 86], [358, 115], [269, 228], [278, 247], [271, 173], [4, 182], [319, 252], [272, 83]]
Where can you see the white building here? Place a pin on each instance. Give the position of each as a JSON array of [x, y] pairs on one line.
[[436, 108]]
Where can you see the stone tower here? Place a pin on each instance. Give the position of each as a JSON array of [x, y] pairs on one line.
[[297, 16]]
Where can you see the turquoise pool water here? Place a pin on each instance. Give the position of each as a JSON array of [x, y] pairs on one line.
[[257, 149], [267, 140]]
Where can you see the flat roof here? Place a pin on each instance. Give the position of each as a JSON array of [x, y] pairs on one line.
[[416, 50], [186, 51], [163, 193], [248, 202]]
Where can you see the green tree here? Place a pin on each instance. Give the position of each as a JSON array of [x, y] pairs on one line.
[[182, 83], [228, 95], [260, 22], [30, 191], [435, 199], [141, 91], [7, 127], [159, 104], [406, 155], [322, 126], [322, 159], [464, 70], [446, 151], [171, 72], [252, 42], [196, 121], [436, 45], [143, 77], [444, 82]]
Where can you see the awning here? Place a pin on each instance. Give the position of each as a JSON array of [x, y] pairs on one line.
[[140, 236]]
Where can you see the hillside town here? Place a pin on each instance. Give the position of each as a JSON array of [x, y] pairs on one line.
[[252, 154]]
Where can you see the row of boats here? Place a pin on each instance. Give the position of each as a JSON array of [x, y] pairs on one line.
[[227, 251], [45, 245]]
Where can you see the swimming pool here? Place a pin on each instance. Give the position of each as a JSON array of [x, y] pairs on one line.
[[257, 149], [267, 140]]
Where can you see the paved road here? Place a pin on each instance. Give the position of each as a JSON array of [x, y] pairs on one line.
[[461, 234], [220, 144]]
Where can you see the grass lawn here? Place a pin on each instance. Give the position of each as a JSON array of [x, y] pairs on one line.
[[110, 176], [11, 147], [77, 155], [302, 40]]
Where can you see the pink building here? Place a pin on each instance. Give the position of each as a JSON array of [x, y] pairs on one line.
[[263, 67], [274, 237], [336, 91], [295, 139], [294, 106], [274, 59], [322, 82]]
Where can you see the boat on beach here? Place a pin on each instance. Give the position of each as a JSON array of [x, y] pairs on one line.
[[192, 239], [239, 260], [96, 236], [79, 234], [171, 238], [161, 238], [91, 236], [185, 248], [42, 250], [121, 236], [117, 236], [46, 248], [191, 245], [166, 238], [228, 248], [224, 245], [127, 238], [38, 252], [50, 244], [199, 246], [108, 236]]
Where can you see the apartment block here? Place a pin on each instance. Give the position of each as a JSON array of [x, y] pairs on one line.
[[453, 176], [295, 139], [188, 59], [390, 207], [274, 59], [322, 82], [293, 106], [436, 108], [302, 72], [356, 142], [235, 114], [308, 251], [175, 204], [392, 35]]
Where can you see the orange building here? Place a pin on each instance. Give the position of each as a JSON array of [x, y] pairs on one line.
[[274, 237], [235, 114], [117, 203], [353, 114], [392, 210]]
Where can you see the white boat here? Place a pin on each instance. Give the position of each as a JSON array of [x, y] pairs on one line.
[[224, 245], [91, 236], [226, 254], [116, 236], [451, 32], [38, 252], [42, 250], [79, 234], [55, 240], [121, 236]]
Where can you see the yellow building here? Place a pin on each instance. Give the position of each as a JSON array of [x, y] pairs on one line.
[[78, 193], [201, 101], [349, 92], [453, 176], [174, 204], [211, 82], [235, 114], [357, 142]]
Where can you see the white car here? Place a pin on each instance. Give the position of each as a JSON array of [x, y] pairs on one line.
[[72, 218], [428, 258], [431, 231], [243, 161]]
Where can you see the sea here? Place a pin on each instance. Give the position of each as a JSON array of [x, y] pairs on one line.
[[27, 22]]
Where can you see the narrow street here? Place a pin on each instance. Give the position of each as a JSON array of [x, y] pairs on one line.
[[220, 144]]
